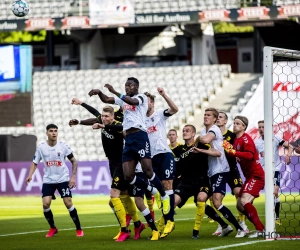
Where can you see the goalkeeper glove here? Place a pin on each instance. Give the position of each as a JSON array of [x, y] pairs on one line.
[[228, 148]]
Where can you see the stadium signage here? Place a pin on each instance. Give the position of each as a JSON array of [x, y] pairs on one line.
[[8, 25], [40, 23], [219, 15], [75, 22], [253, 13], [92, 178], [163, 18], [289, 10]]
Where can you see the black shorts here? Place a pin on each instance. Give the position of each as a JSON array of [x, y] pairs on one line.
[[277, 177], [176, 182], [116, 172], [134, 191], [187, 189], [49, 189], [234, 179]]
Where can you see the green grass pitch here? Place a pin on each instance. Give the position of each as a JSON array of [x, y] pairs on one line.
[[22, 226]]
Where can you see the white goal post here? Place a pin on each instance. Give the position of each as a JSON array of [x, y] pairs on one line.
[[269, 109]]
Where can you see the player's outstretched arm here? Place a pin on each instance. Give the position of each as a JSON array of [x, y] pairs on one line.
[[211, 151], [98, 126], [72, 182], [87, 122], [32, 169], [207, 138], [104, 98], [124, 98], [173, 109], [92, 110]]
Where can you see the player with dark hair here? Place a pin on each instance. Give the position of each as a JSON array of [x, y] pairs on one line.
[[162, 157], [244, 150], [218, 167], [277, 143], [234, 181], [137, 146], [192, 157], [56, 177], [113, 142]]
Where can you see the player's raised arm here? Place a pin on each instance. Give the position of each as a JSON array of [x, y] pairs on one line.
[[104, 98], [32, 169], [173, 109], [124, 98]]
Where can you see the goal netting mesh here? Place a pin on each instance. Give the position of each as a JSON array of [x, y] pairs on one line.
[[281, 115]]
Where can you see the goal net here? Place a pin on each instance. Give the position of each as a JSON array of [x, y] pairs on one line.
[[282, 120]]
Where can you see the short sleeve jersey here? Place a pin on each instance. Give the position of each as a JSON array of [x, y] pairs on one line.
[[252, 167], [55, 168], [134, 116], [216, 164], [191, 166], [156, 129], [260, 146]]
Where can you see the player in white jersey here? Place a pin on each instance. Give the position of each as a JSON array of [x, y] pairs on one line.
[[162, 157], [56, 177], [277, 143], [137, 146], [218, 168]]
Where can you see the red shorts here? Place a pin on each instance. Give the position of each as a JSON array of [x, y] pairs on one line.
[[252, 186]]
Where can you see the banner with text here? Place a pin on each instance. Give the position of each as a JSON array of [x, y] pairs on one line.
[[93, 177], [107, 13]]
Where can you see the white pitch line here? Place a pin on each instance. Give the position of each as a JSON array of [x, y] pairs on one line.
[[236, 245], [68, 229]]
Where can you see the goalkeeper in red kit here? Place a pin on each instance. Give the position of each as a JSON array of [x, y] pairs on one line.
[[244, 150]]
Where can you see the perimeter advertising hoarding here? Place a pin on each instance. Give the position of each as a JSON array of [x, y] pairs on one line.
[[93, 177], [125, 17]]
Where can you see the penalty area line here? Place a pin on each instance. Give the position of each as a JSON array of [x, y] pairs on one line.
[[236, 245], [68, 229]]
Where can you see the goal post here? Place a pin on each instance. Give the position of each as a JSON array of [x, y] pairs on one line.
[[280, 66]]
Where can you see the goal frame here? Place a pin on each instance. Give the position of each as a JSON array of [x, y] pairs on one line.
[[269, 53]]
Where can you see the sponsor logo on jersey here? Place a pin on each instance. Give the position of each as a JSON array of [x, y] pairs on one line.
[[185, 154], [152, 129], [54, 163], [109, 136], [129, 107]]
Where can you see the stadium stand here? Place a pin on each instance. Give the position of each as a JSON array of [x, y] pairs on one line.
[[56, 8], [189, 86]]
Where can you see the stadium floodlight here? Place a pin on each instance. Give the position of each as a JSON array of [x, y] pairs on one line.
[[281, 103]]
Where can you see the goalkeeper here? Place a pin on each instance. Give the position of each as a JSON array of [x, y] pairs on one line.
[[246, 154]]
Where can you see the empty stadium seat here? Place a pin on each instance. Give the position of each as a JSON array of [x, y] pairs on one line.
[[188, 86]]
